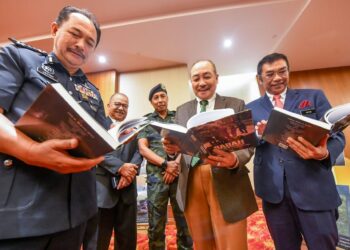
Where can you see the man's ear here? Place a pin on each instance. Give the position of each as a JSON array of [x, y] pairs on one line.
[[54, 29], [258, 79]]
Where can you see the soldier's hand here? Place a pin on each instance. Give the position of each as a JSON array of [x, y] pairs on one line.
[[173, 168], [123, 182], [168, 178], [128, 170], [52, 154]]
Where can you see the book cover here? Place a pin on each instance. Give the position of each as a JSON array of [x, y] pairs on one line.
[[283, 124], [56, 115], [217, 129]]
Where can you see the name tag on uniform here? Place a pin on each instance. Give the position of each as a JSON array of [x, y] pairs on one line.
[[308, 112], [48, 72]]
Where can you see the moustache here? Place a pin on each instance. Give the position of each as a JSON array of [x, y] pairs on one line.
[[119, 112], [77, 52]]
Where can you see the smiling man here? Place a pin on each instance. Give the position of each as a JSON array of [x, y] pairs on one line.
[[162, 171], [117, 193], [215, 193], [297, 186], [46, 194]]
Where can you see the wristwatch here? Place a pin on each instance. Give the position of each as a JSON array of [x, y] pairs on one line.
[[164, 164]]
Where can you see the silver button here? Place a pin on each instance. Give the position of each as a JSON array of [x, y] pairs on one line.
[[8, 163], [70, 92]]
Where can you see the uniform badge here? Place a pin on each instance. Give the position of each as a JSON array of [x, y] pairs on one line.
[[82, 90], [48, 72]]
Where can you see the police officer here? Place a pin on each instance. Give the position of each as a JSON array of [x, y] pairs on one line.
[[46, 195], [162, 171]]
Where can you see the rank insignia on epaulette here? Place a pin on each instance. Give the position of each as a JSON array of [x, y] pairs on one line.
[[26, 46]]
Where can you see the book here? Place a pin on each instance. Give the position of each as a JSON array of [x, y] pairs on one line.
[[339, 117], [283, 124], [55, 114], [218, 129], [125, 131]]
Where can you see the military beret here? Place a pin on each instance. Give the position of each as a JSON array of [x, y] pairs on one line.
[[159, 87]]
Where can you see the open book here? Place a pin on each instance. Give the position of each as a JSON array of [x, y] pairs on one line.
[[55, 114], [125, 131], [339, 117], [221, 129], [283, 124]]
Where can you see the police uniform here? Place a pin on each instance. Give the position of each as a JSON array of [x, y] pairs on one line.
[[158, 193], [36, 201]]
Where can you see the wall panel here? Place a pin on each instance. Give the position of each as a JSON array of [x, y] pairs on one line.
[[106, 82], [335, 82]]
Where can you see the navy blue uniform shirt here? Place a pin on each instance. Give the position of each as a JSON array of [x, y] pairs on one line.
[[37, 201]]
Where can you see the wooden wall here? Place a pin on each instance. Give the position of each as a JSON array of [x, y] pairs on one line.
[[335, 82], [106, 82]]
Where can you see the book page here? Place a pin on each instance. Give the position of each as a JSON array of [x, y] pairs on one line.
[[205, 117], [337, 113], [169, 126], [124, 135], [304, 118]]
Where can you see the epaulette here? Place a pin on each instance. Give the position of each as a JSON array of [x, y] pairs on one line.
[[26, 46]]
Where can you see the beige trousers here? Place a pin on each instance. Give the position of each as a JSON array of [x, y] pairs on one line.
[[208, 228]]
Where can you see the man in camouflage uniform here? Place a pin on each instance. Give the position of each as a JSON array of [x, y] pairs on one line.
[[162, 171]]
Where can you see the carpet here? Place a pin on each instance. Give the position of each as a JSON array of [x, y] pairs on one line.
[[258, 235]]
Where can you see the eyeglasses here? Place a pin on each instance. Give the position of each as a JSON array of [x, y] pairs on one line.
[[271, 74], [120, 105]]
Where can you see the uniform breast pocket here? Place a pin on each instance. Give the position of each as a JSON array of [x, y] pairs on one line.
[[6, 179], [18, 187]]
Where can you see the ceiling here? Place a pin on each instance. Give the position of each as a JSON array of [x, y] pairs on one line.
[[148, 34]]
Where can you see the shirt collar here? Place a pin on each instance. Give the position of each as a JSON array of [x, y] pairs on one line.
[[155, 113], [283, 96], [114, 121], [53, 60], [211, 103]]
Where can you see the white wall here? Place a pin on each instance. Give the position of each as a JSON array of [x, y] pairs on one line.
[[137, 86]]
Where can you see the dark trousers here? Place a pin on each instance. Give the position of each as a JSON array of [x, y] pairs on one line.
[[288, 225], [68, 240], [121, 218], [158, 195]]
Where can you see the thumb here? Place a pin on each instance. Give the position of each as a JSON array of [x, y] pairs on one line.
[[65, 144]]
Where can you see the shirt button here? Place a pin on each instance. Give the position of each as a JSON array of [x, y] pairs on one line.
[[70, 92], [8, 163], [70, 79]]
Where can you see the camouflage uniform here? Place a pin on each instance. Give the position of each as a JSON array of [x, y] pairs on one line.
[[158, 193]]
